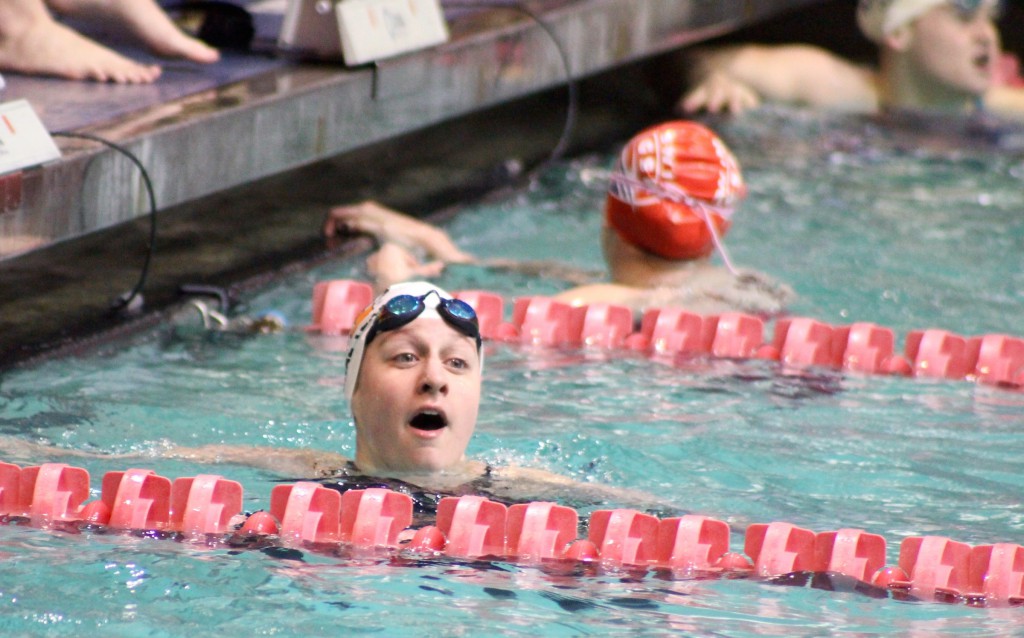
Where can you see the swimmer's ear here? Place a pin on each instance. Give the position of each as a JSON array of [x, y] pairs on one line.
[[900, 38]]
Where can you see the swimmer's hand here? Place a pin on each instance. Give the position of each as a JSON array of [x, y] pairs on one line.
[[390, 226], [720, 93]]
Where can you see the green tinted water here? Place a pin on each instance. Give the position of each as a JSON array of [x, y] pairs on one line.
[[867, 224]]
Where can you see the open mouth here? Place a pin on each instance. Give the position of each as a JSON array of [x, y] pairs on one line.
[[982, 60], [429, 420]]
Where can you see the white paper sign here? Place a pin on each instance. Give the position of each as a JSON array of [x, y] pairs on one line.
[[376, 29], [24, 141]]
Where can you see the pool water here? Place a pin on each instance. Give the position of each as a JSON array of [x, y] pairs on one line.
[[866, 223]]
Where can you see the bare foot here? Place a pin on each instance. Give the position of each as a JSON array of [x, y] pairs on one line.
[[37, 45], [391, 226], [146, 21]]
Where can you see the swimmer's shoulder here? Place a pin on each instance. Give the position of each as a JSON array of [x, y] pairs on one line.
[[1006, 102], [283, 461]]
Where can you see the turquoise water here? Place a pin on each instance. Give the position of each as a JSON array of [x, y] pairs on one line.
[[867, 224]]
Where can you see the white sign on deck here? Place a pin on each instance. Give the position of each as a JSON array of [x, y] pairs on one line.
[[24, 141], [377, 29]]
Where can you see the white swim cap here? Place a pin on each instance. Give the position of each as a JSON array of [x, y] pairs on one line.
[[879, 18], [418, 299]]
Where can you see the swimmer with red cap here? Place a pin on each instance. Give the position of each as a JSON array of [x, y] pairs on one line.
[[674, 191], [670, 202]]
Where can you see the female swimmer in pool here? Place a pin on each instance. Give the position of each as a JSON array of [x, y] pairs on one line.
[[670, 200], [413, 381]]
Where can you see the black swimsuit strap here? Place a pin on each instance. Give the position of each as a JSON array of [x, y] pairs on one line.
[[425, 501]]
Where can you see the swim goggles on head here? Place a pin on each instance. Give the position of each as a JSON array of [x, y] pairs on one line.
[[401, 310], [623, 186], [967, 9]]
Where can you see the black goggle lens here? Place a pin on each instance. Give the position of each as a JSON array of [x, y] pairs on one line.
[[967, 9], [402, 309]]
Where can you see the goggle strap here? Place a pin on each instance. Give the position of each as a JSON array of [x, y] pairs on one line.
[[673, 193]]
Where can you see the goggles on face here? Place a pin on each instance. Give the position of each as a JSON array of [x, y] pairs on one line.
[[401, 310], [967, 9]]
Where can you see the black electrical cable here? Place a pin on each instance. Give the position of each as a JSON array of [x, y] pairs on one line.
[[556, 153], [573, 91], [124, 300]]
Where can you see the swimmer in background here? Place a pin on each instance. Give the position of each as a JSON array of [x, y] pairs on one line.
[[670, 201], [936, 56], [32, 42]]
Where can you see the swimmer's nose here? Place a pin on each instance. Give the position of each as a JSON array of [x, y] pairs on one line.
[[434, 380], [986, 31]]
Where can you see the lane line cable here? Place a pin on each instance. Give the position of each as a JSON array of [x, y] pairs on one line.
[[557, 152]]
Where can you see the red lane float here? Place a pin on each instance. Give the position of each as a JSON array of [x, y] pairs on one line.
[[937, 567], [337, 303], [797, 343], [806, 342], [540, 531], [780, 548], [473, 527], [870, 349], [204, 504], [541, 321], [600, 325], [853, 552], [374, 517], [1000, 360], [997, 573], [674, 331], [53, 492], [307, 511], [941, 354], [137, 499], [693, 543], [624, 537]]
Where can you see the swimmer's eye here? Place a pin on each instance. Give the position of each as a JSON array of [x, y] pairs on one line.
[[404, 357], [458, 364]]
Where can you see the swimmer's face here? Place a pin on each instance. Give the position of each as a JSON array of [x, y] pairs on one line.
[[417, 398], [956, 49]]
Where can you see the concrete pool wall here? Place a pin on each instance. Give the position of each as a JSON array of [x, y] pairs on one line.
[[245, 155]]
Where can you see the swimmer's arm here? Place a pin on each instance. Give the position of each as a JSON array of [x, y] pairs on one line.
[[24, 452], [733, 79], [1006, 102], [287, 462], [388, 225], [617, 294], [283, 461], [543, 269], [519, 483]]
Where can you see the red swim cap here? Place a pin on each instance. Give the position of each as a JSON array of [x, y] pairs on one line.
[[669, 180]]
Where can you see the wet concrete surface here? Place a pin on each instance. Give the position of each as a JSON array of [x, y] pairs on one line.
[[60, 299]]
